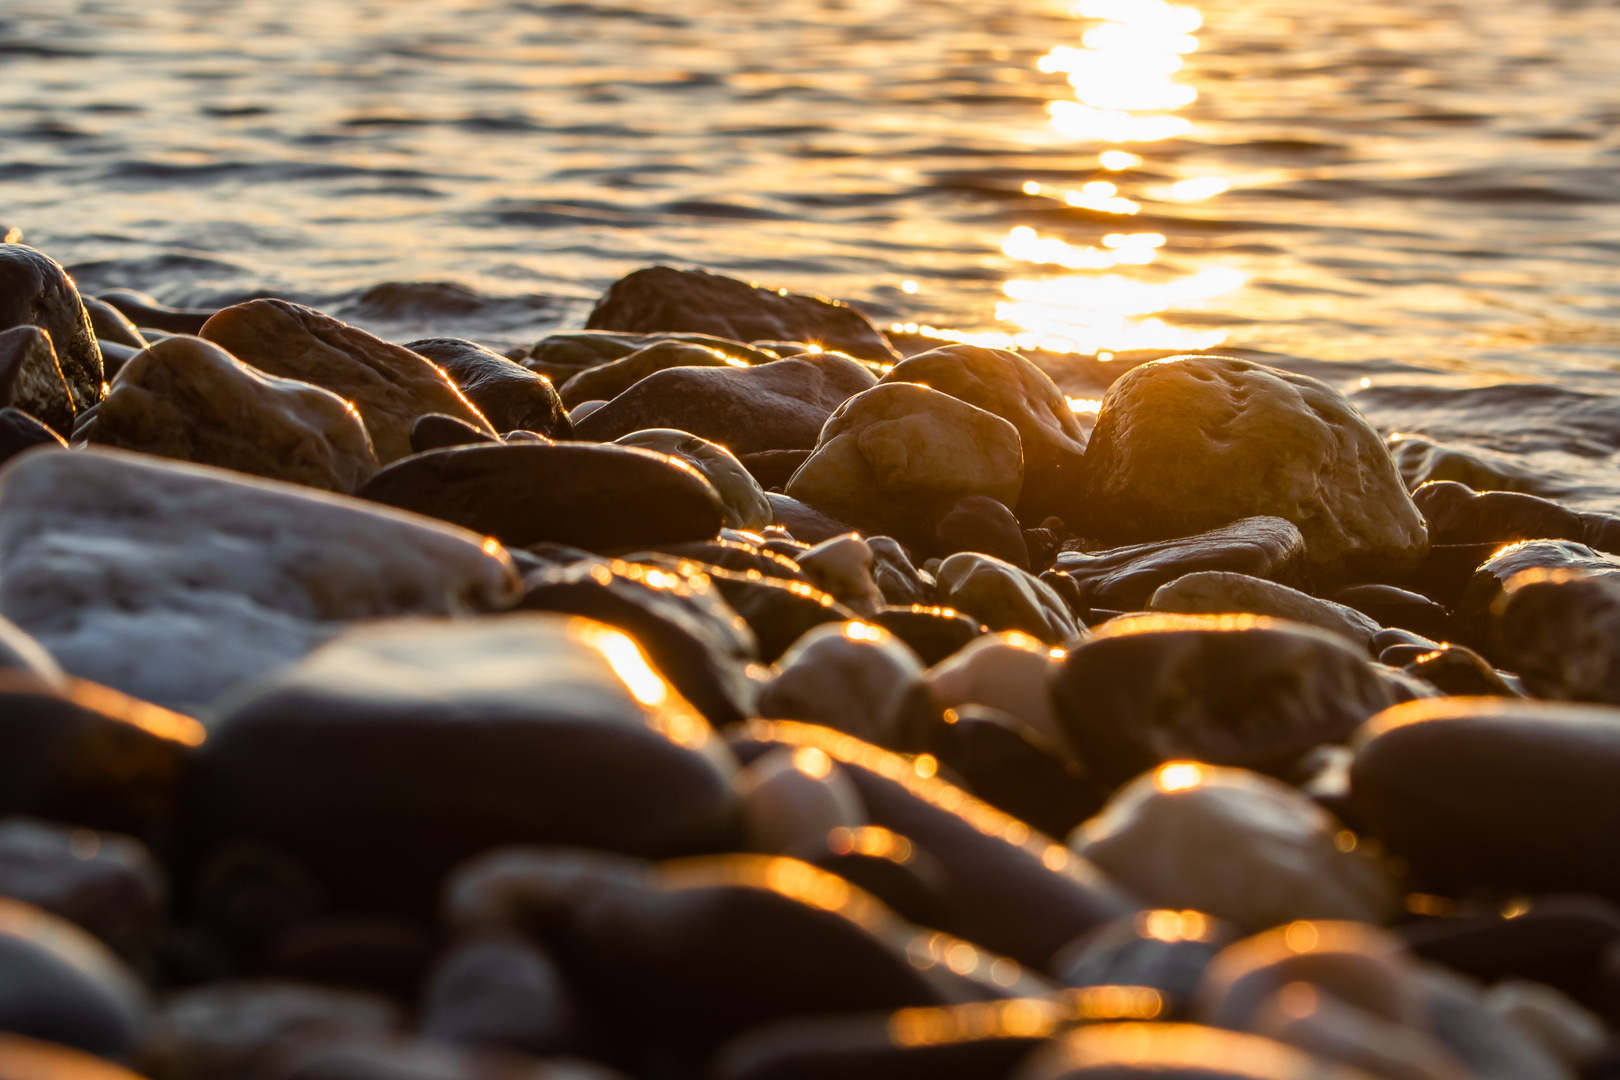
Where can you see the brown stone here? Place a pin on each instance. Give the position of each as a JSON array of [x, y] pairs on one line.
[[31, 379]]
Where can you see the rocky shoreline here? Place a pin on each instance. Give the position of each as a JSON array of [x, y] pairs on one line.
[[719, 692]]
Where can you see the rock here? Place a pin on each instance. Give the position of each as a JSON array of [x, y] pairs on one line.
[[513, 728], [777, 406], [22, 655], [511, 397], [1004, 597], [980, 524], [1459, 671], [190, 400], [1388, 606], [1493, 792], [744, 501], [436, 431], [582, 410], [806, 525], [608, 381], [389, 385], [1192, 443], [112, 560], [851, 677], [933, 633], [497, 989], [144, 310], [778, 612], [1214, 592], [113, 357], [1489, 1048], [560, 357], [1459, 515], [1009, 672], [734, 555], [368, 1056], [885, 864], [1425, 461], [110, 324], [106, 883], [1331, 1029], [691, 635], [1561, 1027], [59, 984], [1234, 844], [1558, 629], [1174, 1052], [895, 575], [19, 432], [32, 381], [1471, 618], [32, 1059], [794, 798], [35, 290], [1123, 579], [1014, 389], [1239, 690], [843, 566], [1166, 950], [601, 498], [660, 298], [774, 468]]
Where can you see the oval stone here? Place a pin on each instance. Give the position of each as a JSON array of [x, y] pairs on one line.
[[608, 381], [511, 397], [34, 289]]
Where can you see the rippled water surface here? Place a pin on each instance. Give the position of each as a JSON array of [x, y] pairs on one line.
[[1419, 201]]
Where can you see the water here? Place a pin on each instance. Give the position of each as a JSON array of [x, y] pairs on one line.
[[1418, 201]]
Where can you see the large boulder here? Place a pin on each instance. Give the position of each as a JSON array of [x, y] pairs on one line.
[[662, 298], [1191, 443], [510, 396], [389, 385], [189, 399], [896, 458], [35, 290], [1016, 390], [31, 378], [173, 581]]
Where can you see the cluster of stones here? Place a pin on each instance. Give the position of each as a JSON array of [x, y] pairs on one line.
[[716, 693]]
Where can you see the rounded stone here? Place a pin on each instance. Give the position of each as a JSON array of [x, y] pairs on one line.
[[793, 798], [843, 566], [498, 989], [1173, 1052], [851, 676], [608, 381], [34, 289], [511, 397], [31, 379], [1471, 618], [1560, 631], [1215, 592], [1008, 671], [59, 984], [746, 506], [1004, 597]]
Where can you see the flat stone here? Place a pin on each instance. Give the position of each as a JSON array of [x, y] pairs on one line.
[[1387, 605], [1471, 618], [19, 431], [1192, 443], [497, 989], [608, 381], [1014, 389], [843, 566], [806, 524], [1174, 1052], [1494, 792], [795, 799], [776, 406], [190, 400], [660, 298], [560, 357], [172, 581], [1426, 461], [32, 380], [389, 385], [1123, 579], [1560, 630], [35, 290], [735, 555], [518, 728], [746, 506], [600, 498], [1241, 690], [984, 526], [511, 397], [143, 309], [896, 458], [852, 677], [1233, 844], [1215, 592], [1004, 597]]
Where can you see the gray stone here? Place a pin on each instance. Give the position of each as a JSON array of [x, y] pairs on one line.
[[35, 290], [20, 431]]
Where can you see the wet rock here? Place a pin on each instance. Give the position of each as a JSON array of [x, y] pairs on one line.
[[778, 612], [744, 501], [1014, 768], [367, 1056], [933, 633], [1009, 672], [1493, 792], [1192, 443], [514, 728], [773, 468], [1560, 630], [1471, 618], [843, 566], [894, 458], [1424, 461], [113, 358], [32, 381], [885, 864], [734, 555], [498, 989], [1004, 597], [1174, 1052], [608, 381], [1163, 949], [106, 883], [60, 985], [1233, 844], [35, 290], [190, 400], [793, 798], [1387, 605], [980, 524], [1229, 690], [1332, 1029], [691, 635], [560, 357], [895, 575], [601, 498], [511, 397], [1460, 672], [806, 525], [1014, 389], [379, 954], [582, 410], [850, 676], [113, 560], [1214, 592], [1459, 515], [436, 431], [19, 432], [777, 406], [110, 324], [24, 656], [1123, 579], [144, 310], [660, 298], [389, 385]]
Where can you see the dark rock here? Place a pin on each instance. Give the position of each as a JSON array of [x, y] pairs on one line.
[[980, 524], [1174, 1052], [778, 612], [1391, 636], [736, 555], [19, 431], [680, 620], [600, 498], [1242, 690], [933, 633], [515, 728], [378, 954], [246, 896], [807, 525], [1487, 792], [1403, 653], [32, 381], [497, 989], [1459, 671], [1472, 615], [775, 406], [25, 656], [60, 985], [895, 575], [660, 298], [144, 310], [852, 677], [560, 357], [1014, 389], [1004, 597], [35, 290], [366, 1056], [1219, 592], [888, 866], [773, 468], [607, 381], [1165, 950], [1124, 578], [113, 357], [511, 397], [1457, 514], [1447, 569], [1560, 631], [1389, 606], [1424, 461], [436, 431], [110, 324]]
